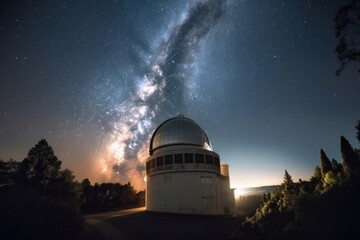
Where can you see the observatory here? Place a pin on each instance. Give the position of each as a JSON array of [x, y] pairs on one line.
[[184, 174]]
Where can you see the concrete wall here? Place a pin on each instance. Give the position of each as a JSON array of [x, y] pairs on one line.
[[182, 192], [189, 193]]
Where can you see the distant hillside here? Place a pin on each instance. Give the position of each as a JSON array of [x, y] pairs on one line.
[[251, 198], [259, 190]]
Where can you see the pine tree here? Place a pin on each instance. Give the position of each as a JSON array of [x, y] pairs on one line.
[[325, 163], [40, 167], [358, 131], [289, 190], [287, 178], [351, 161]]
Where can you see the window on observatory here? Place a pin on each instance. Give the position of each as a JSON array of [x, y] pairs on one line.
[[216, 161], [209, 159], [199, 158], [178, 158], [168, 159], [148, 166], [159, 161], [189, 158]]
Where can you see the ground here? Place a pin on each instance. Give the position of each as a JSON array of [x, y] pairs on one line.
[[139, 224]]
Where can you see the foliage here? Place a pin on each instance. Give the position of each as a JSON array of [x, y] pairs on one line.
[[324, 163], [29, 213], [358, 131], [38, 200], [347, 26], [40, 166], [351, 161], [247, 204], [324, 207], [7, 171], [107, 196]]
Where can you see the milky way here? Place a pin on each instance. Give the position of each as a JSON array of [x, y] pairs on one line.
[[162, 88], [95, 78]]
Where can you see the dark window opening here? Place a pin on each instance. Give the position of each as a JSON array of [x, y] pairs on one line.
[[209, 159], [160, 161], [168, 159], [189, 158], [199, 158], [178, 158]]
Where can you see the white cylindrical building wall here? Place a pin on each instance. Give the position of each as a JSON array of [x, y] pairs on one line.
[[183, 192]]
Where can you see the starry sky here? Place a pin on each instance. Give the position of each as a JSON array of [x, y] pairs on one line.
[[95, 78]]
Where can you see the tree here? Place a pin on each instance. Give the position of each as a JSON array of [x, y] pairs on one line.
[[140, 198], [351, 162], [306, 209], [43, 201], [336, 167], [287, 178], [325, 163], [316, 177], [40, 166], [358, 131], [65, 187], [289, 190], [347, 26], [7, 171]]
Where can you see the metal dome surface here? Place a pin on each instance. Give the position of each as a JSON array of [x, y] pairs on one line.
[[179, 131]]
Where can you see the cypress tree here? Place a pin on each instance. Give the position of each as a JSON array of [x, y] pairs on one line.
[[325, 163], [289, 190], [287, 178], [351, 162], [358, 131]]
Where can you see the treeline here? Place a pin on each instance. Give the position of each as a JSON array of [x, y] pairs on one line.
[[38, 200], [326, 207], [108, 196]]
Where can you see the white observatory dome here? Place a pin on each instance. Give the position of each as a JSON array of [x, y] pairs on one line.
[[184, 174], [179, 131]]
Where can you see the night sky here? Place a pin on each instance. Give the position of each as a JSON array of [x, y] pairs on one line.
[[95, 78]]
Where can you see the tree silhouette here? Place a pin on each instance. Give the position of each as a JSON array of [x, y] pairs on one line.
[[42, 201], [324, 207], [107, 196], [40, 166], [287, 178], [347, 26], [325, 163], [289, 190], [351, 162], [358, 131], [8, 171]]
